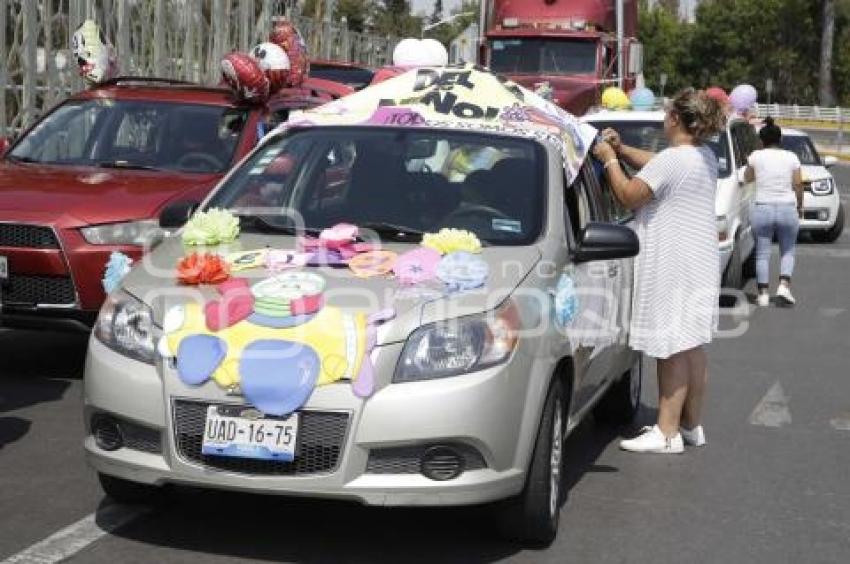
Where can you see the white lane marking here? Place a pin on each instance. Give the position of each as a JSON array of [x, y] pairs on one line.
[[841, 423], [77, 536], [772, 410]]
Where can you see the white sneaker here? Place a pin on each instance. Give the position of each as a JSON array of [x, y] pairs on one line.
[[653, 440], [783, 295], [763, 299], [694, 437]]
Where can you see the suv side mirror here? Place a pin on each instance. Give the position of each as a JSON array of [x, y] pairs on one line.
[[176, 214], [5, 143], [599, 241], [830, 161]]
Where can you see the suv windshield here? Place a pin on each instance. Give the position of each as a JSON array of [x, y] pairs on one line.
[[801, 146], [551, 56], [136, 135], [399, 183], [649, 136]]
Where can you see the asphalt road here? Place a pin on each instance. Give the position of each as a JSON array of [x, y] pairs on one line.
[[771, 486]]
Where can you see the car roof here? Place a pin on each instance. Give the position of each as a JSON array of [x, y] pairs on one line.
[[624, 115], [159, 89]]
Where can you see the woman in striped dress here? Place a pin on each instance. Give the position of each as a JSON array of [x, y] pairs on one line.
[[677, 273]]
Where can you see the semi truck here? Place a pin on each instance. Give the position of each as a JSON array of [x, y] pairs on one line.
[[572, 48]]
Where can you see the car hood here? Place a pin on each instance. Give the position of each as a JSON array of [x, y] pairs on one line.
[[77, 196], [815, 172], [153, 281]]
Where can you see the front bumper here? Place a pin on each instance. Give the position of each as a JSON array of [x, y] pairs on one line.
[[819, 212], [483, 411]]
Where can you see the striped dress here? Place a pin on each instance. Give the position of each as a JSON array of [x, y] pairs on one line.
[[677, 273]]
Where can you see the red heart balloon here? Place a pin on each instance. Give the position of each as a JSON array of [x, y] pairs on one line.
[[244, 75]]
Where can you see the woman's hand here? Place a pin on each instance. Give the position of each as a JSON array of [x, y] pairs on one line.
[[604, 152], [611, 137]]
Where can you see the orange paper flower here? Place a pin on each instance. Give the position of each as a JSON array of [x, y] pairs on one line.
[[204, 268]]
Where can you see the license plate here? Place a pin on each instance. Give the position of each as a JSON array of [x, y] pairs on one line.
[[4, 268], [242, 437]]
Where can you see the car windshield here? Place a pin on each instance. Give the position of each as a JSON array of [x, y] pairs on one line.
[[550, 56], [135, 135], [400, 183], [649, 136], [801, 145]]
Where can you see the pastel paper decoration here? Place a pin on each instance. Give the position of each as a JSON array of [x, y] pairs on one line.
[[566, 301], [117, 267], [244, 75], [278, 376], [274, 62], [462, 270], [642, 99], [372, 263], [236, 304], [278, 260], [287, 294], [339, 235], [203, 268], [364, 385], [280, 322], [614, 98], [448, 240], [416, 266], [94, 54], [197, 358], [743, 97], [211, 227]]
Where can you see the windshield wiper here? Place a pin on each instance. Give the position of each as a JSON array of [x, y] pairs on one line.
[[124, 165], [262, 224], [393, 231]]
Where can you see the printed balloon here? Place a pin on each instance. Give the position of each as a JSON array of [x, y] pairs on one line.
[[94, 54], [244, 75], [274, 62], [287, 37]]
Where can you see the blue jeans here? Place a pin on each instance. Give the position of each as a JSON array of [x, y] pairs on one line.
[[781, 219]]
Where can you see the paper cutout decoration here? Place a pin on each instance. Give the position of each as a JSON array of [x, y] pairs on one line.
[[247, 260], [279, 322], [449, 240], [287, 37], [211, 227], [566, 301], [288, 294], [95, 56], [236, 304], [205, 268], [340, 235], [416, 266], [462, 270], [117, 267], [372, 263], [274, 62], [278, 261], [244, 75], [278, 376], [364, 385], [198, 356]]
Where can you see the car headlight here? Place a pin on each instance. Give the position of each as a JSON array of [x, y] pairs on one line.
[[457, 346], [126, 326], [722, 228], [125, 233], [822, 187]]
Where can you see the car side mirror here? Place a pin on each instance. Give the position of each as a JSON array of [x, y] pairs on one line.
[[5, 143], [600, 241], [830, 161], [176, 214], [742, 176]]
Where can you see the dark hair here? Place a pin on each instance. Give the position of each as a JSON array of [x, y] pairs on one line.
[[770, 133], [701, 115]]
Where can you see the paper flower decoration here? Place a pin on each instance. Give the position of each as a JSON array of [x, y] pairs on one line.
[[448, 240], [462, 270], [566, 301], [416, 266], [116, 269], [339, 235], [211, 227], [372, 263], [277, 260], [203, 268]]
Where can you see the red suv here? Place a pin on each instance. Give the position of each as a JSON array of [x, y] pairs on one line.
[[92, 175]]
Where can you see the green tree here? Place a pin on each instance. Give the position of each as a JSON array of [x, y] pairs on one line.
[[393, 17], [446, 32], [666, 48], [356, 12]]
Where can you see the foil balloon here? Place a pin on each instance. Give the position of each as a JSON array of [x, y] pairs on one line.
[[642, 99], [287, 37], [743, 97], [94, 54], [244, 75], [614, 98], [274, 61]]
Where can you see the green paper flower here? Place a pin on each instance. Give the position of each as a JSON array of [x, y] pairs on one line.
[[211, 227]]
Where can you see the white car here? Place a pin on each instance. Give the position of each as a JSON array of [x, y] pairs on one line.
[[645, 129], [823, 214]]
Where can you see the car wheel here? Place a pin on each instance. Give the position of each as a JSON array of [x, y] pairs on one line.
[[833, 233], [125, 491], [733, 277], [532, 516], [621, 402]]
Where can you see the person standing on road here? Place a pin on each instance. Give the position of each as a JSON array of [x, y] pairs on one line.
[[677, 273], [777, 209]]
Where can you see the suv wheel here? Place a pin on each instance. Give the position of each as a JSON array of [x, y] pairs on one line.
[[734, 275], [125, 491], [833, 233], [621, 402], [532, 516]]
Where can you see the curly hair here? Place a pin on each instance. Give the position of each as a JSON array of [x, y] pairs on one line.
[[701, 115]]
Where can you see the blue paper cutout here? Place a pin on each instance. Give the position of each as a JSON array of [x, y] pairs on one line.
[[566, 301], [198, 356], [280, 322], [117, 268], [278, 376], [462, 270]]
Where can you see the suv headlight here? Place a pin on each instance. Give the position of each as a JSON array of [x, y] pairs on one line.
[[125, 233], [457, 346], [822, 187], [126, 326]]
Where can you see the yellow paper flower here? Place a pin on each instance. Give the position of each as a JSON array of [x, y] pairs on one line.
[[212, 227], [449, 240]]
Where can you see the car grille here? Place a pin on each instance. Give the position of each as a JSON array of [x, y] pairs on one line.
[[321, 436], [23, 289], [408, 460], [27, 236]]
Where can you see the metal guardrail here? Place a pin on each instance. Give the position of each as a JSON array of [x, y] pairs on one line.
[[805, 113]]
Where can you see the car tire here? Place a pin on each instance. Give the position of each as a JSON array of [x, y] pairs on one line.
[[125, 491], [532, 517], [833, 233], [733, 277], [621, 402]]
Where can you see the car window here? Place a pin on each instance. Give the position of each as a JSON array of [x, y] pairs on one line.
[[610, 208], [801, 145], [579, 207], [745, 141]]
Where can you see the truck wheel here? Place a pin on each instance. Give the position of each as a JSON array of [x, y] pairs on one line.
[[532, 516], [734, 275], [833, 233], [125, 491], [621, 402]]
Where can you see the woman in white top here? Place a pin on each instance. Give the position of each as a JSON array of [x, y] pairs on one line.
[[777, 208], [677, 273]]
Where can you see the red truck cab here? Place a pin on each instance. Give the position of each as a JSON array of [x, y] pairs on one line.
[[93, 175], [569, 44]]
